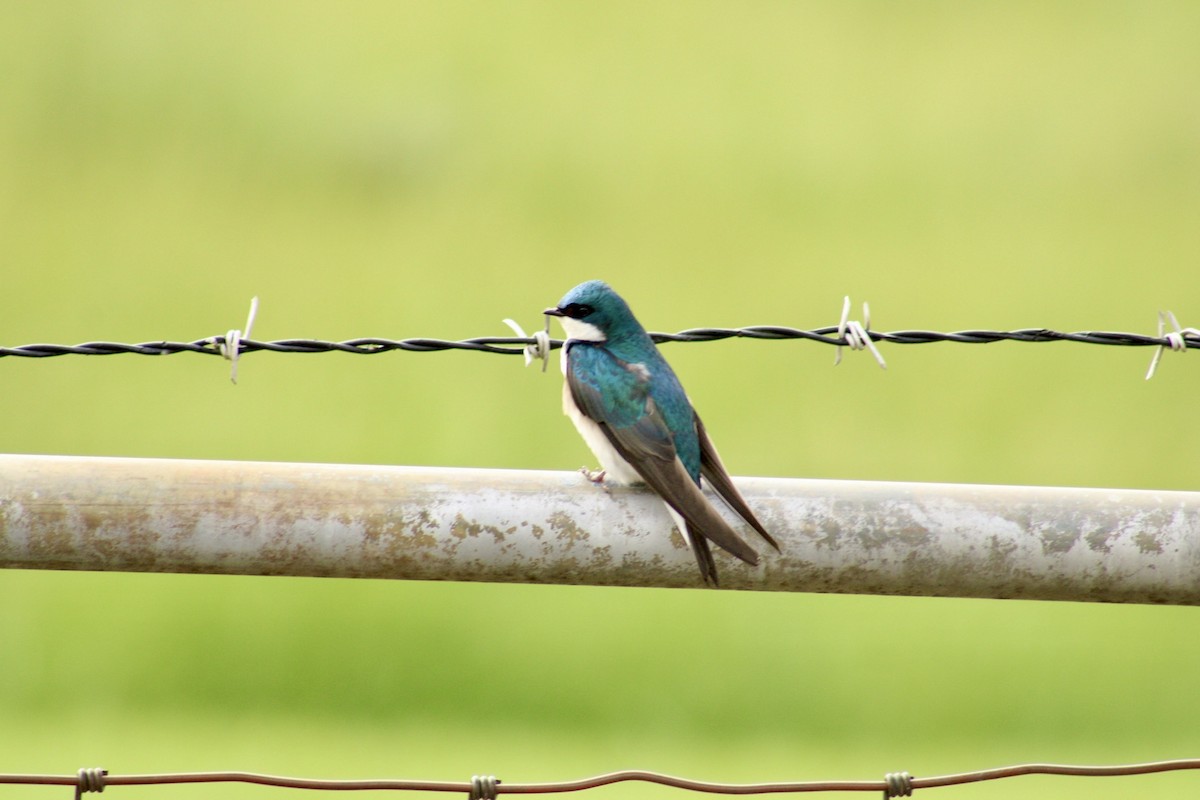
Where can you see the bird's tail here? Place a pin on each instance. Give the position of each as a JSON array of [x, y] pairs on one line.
[[699, 547]]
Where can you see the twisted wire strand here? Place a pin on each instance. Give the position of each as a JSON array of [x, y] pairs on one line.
[[90, 779], [515, 345]]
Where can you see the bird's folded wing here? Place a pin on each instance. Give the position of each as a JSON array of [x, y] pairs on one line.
[[640, 434], [715, 473]]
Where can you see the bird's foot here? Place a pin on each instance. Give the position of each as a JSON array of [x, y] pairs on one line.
[[596, 476]]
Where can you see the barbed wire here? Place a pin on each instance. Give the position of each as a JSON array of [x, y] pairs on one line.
[[848, 333], [487, 787], [515, 345], [213, 345]]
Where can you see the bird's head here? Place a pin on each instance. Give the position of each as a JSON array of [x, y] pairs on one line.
[[593, 312]]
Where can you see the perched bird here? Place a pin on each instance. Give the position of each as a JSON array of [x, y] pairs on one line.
[[633, 413]]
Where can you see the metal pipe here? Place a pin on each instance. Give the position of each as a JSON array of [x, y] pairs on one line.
[[416, 523]]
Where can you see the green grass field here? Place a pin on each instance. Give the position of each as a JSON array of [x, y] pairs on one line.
[[426, 169]]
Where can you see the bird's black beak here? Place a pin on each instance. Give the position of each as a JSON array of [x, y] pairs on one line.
[[553, 312]]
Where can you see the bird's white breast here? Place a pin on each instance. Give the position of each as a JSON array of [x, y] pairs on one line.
[[615, 467], [613, 463]]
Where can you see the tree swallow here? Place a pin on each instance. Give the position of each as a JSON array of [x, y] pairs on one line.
[[634, 415]]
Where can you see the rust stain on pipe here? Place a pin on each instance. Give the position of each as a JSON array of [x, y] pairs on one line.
[[159, 515]]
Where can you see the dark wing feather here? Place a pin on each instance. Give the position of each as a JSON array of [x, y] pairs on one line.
[[646, 443], [673, 484], [704, 559], [715, 473]]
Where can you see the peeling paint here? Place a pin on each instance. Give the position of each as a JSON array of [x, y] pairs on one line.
[[1147, 543], [1099, 539], [461, 528], [1058, 541], [566, 529]]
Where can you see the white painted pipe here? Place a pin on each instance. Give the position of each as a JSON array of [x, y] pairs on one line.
[[415, 523]]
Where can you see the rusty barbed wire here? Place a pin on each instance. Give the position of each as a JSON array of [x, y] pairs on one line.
[[893, 785]]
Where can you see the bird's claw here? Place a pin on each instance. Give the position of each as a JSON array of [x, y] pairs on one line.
[[596, 476]]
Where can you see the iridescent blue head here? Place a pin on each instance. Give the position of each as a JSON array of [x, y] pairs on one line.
[[593, 312]]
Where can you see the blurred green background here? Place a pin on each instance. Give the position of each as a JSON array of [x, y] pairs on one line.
[[426, 169]]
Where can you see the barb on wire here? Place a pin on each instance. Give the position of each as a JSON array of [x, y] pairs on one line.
[[897, 784], [484, 787], [857, 334], [229, 345], [1176, 339], [90, 780], [540, 349]]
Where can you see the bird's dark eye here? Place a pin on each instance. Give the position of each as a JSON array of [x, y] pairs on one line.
[[577, 310]]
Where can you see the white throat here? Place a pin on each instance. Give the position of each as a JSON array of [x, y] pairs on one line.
[[582, 331]]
